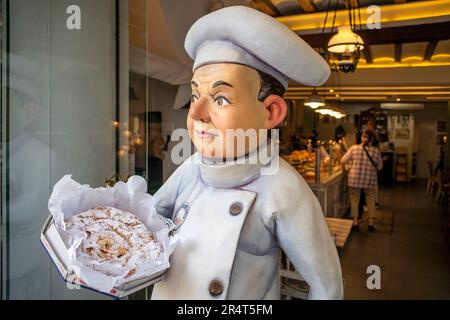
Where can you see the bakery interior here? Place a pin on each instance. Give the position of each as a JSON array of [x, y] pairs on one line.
[[101, 102]]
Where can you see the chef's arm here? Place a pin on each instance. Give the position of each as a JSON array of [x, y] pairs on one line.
[[303, 235]]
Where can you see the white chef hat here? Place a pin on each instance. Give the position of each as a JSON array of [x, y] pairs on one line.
[[246, 36]]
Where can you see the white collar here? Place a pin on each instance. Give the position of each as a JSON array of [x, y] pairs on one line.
[[235, 173]]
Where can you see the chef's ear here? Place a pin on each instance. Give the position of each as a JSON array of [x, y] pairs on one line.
[[277, 110]]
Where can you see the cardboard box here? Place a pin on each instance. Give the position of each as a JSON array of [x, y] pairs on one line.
[[57, 251]]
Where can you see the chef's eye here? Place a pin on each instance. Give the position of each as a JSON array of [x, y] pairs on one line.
[[221, 101], [194, 98]]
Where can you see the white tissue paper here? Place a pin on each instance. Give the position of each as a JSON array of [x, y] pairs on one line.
[[70, 198]]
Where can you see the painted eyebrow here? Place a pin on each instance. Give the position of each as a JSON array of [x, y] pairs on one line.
[[195, 84], [221, 83]]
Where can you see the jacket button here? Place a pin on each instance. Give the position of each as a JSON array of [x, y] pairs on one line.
[[215, 287], [236, 208]]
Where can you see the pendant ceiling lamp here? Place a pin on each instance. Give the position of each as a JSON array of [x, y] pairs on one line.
[[345, 41], [331, 111], [314, 101], [344, 49]]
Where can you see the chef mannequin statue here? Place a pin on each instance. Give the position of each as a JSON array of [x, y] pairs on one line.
[[232, 220]]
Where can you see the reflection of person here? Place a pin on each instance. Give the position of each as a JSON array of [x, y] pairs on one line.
[[365, 161], [24, 221], [29, 157], [231, 220]]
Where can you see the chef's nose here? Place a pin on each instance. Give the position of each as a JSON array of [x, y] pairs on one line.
[[199, 110]]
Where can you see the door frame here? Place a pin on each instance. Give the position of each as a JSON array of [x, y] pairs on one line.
[[4, 148]]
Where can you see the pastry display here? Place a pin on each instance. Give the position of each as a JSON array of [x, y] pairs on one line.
[[305, 163], [114, 241], [297, 157]]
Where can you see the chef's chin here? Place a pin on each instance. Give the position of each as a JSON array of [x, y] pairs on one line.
[[207, 147]]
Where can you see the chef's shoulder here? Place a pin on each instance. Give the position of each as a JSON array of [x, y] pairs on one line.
[[287, 193]]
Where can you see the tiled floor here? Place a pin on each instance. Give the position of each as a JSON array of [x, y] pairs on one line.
[[414, 260]]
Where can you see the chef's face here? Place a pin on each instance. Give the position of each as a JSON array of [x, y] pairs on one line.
[[225, 96]]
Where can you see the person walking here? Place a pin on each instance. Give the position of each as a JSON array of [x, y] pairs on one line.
[[365, 161]]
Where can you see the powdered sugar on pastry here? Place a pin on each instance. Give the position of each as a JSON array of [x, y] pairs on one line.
[[115, 242]]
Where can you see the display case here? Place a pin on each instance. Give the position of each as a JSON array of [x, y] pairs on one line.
[[321, 169], [304, 162], [317, 165]]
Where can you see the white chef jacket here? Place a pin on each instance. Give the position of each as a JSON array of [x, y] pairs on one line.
[[233, 221]]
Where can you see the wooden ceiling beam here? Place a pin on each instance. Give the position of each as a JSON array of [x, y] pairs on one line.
[[403, 14], [265, 6], [408, 34], [431, 46], [307, 6]]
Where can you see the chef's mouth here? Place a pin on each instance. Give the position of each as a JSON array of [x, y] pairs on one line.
[[205, 134]]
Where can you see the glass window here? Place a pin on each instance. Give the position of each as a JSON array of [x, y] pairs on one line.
[[86, 90], [61, 101]]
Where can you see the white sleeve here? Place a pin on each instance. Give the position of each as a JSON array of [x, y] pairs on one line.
[[166, 196], [303, 234]]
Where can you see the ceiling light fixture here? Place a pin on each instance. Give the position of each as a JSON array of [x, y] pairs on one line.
[[345, 41], [331, 111], [345, 46], [314, 101]]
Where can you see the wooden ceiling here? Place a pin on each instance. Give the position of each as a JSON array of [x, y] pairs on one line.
[[414, 38], [278, 8], [403, 23], [407, 59]]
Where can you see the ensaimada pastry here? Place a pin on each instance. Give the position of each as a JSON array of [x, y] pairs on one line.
[[114, 242]]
